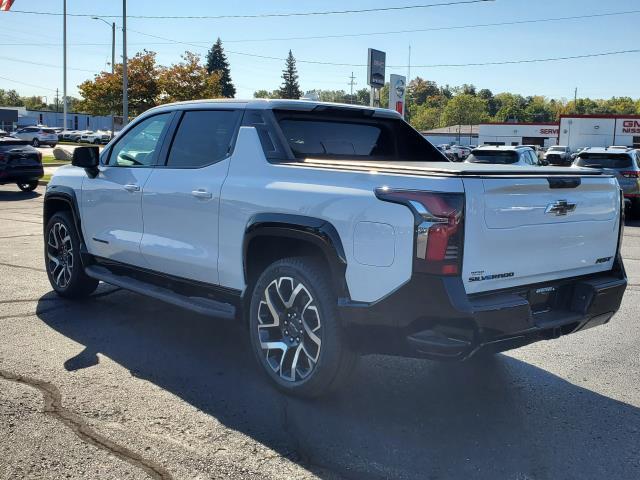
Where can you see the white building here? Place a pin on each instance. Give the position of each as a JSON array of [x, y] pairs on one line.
[[542, 134], [455, 134], [577, 131]]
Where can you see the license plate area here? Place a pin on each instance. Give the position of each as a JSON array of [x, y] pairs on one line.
[[546, 298]]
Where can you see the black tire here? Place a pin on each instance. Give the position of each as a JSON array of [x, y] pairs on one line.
[[53, 145], [634, 211], [35, 142], [68, 280], [334, 359], [28, 186]]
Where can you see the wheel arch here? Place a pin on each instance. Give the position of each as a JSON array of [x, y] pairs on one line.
[[271, 236], [58, 199]]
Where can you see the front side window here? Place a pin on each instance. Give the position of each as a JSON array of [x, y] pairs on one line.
[[137, 148], [203, 137]]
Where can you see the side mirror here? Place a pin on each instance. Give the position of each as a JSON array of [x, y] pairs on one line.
[[87, 158]]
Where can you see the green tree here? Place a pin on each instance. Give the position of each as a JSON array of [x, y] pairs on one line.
[[420, 90], [363, 96], [538, 109], [424, 117], [510, 107], [189, 80], [465, 109], [290, 87], [217, 62], [10, 98], [266, 94], [103, 94]]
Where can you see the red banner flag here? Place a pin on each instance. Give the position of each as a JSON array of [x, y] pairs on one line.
[[5, 5]]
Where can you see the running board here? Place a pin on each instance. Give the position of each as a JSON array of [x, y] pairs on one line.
[[203, 306]]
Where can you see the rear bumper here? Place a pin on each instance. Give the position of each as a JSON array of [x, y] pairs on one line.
[[15, 175], [433, 317]]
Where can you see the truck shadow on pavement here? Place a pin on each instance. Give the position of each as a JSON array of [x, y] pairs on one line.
[[399, 418], [18, 196]]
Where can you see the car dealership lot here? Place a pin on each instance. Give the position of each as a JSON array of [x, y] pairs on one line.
[[133, 388]]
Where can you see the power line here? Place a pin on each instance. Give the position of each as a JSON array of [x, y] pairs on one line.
[[27, 84], [263, 15], [441, 65], [434, 29], [347, 35], [39, 64]]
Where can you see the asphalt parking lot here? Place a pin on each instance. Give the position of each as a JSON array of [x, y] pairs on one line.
[[121, 386]]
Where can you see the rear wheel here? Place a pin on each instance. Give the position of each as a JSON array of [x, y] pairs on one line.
[[35, 142], [294, 327], [62, 258], [28, 186]]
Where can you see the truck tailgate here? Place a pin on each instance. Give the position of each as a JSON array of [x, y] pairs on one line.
[[529, 230]]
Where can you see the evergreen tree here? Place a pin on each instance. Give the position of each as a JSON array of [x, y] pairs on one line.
[[217, 62], [290, 87]]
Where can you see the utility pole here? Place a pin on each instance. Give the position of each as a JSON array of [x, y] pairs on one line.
[[406, 94], [351, 83], [57, 104], [575, 100], [125, 79], [113, 57], [64, 62]]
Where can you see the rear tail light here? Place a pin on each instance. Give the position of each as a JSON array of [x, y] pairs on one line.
[[630, 174], [438, 228]]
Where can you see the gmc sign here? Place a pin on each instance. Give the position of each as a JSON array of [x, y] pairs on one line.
[[631, 126]]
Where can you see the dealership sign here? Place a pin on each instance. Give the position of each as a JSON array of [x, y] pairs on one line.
[[631, 127], [376, 62], [550, 131], [397, 92]]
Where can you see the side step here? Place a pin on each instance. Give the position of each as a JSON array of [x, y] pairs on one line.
[[203, 306]]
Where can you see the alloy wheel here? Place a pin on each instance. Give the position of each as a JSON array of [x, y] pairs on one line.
[[289, 329], [60, 257]]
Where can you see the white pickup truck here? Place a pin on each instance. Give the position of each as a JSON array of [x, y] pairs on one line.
[[333, 231]]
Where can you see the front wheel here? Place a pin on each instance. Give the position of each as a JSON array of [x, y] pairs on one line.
[[295, 332], [28, 186], [62, 258], [35, 142]]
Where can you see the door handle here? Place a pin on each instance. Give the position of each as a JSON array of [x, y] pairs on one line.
[[200, 193], [132, 187]]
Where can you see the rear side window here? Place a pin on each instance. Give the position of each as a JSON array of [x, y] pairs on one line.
[[499, 157], [48, 130], [204, 137], [604, 160], [353, 136]]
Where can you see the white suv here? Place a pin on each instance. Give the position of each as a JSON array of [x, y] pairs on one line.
[[332, 231], [38, 136]]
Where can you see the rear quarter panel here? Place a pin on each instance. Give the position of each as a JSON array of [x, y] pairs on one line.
[[345, 199]]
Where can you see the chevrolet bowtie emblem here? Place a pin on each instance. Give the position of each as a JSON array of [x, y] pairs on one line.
[[559, 208]]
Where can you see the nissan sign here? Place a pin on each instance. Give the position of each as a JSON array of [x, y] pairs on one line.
[[376, 62], [397, 91]]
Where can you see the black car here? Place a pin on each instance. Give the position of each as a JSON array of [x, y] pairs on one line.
[[20, 163]]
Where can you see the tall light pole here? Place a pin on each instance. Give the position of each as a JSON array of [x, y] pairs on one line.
[[113, 56], [125, 79], [64, 62]]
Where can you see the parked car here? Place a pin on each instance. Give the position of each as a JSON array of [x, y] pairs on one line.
[[332, 231], [20, 163], [98, 137], [37, 136], [558, 156], [624, 164], [3, 133], [459, 152], [504, 155]]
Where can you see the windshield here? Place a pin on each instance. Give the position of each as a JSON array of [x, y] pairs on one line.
[[603, 160], [340, 134], [499, 157]]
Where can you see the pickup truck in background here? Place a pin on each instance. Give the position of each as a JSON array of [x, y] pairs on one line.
[[333, 231]]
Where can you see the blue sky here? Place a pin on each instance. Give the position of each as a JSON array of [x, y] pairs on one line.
[[38, 39]]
